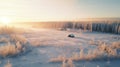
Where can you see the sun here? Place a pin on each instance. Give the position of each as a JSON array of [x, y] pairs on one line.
[[5, 20]]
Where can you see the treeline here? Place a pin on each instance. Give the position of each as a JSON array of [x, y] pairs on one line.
[[78, 25], [64, 25], [106, 27]]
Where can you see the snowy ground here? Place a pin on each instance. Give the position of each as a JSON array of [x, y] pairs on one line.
[[50, 43]]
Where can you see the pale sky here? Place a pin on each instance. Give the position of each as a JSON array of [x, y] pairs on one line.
[[58, 10]]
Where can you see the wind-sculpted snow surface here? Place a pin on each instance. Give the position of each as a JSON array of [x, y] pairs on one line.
[[53, 48]]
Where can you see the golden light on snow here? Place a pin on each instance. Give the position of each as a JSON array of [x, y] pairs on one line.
[[5, 20]]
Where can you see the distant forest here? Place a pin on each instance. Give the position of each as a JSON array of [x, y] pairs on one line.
[[98, 26]]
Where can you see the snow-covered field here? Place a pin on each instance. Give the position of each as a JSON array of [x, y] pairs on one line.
[[53, 48]]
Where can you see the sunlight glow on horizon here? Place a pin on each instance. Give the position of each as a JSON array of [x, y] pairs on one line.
[[58, 10], [5, 20]]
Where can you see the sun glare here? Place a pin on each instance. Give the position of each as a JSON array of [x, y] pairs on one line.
[[5, 20]]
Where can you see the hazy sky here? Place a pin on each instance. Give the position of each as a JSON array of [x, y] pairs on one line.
[[54, 10]]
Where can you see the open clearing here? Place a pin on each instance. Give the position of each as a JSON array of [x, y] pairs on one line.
[[49, 43]]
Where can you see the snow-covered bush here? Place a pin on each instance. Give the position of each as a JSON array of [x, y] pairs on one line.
[[16, 37], [70, 63], [76, 56], [92, 54], [108, 49], [64, 64], [13, 49], [58, 59], [8, 49], [116, 45], [6, 30], [67, 63], [4, 40], [101, 51], [10, 30], [13, 42]]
